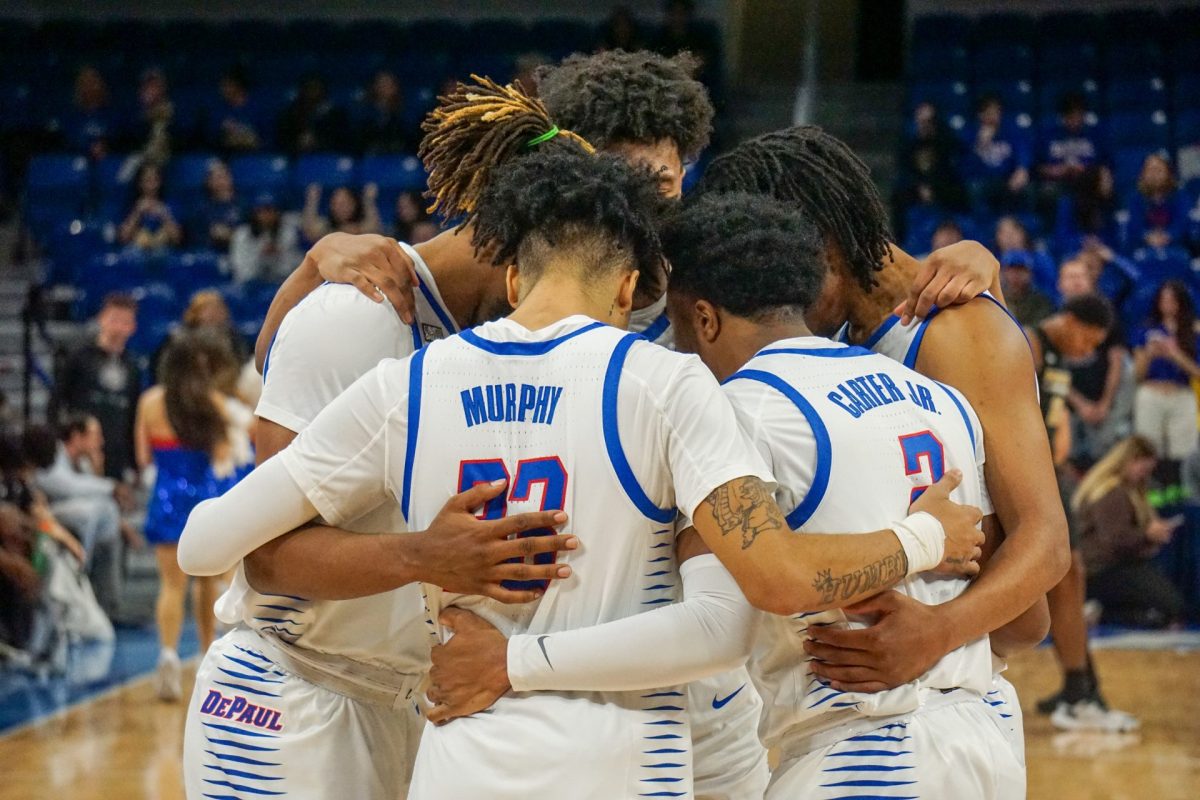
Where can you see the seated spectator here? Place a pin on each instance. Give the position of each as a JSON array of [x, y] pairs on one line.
[[236, 124], [1158, 211], [1026, 303], [996, 166], [1115, 276], [1087, 210], [92, 125], [380, 120], [312, 123], [20, 583], [413, 223], [621, 32], [348, 212], [1012, 237], [103, 380], [219, 214], [1165, 362], [525, 72], [928, 171], [150, 225], [1102, 386], [1120, 533], [208, 311], [155, 122], [267, 246], [947, 232], [1068, 148]]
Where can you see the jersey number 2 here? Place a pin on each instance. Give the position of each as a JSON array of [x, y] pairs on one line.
[[548, 471], [922, 452]]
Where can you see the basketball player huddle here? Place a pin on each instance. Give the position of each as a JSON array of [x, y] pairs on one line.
[[618, 490]]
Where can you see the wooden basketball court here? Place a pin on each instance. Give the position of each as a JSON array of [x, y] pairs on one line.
[[126, 744]]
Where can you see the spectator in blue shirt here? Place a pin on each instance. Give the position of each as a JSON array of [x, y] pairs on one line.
[[92, 124], [150, 225], [236, 124], [380, 117], [1012, 237], [1068, 148], [1087, 211], [219, 214], [1157, 210], [996, 166]]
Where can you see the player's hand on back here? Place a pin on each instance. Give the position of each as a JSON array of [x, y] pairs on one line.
[[964, 539], [949, 276], [469, 672], [466, 555], [374, 264]]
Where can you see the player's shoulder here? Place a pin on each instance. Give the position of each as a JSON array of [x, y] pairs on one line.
[[663, 369], [337, 304]]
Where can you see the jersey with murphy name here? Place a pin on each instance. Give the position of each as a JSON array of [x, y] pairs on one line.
[[329, 340], [653, 324], [853, 438], [576, 416]]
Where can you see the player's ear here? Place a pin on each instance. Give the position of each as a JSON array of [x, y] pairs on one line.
[[512, 281], [626, 289], [707, 320]]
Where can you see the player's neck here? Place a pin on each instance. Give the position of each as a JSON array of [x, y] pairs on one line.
[[556, 297], [866, 311], [459, 276], [744, 338]]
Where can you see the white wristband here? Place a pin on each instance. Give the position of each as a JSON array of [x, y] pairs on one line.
[[923, 539]]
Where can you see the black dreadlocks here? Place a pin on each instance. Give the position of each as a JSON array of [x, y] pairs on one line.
[[819, 174]]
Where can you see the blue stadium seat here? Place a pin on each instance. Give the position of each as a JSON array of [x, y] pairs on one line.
[[1186, 93], [1063, 60], [1187, 128], [325, 169], [1051, 93], [113, 178], [1068, 26], [1016, 95], [15, 107], [1005, 27], [1134, 60], [191, 272], [1146, 24], [943, 28], [186, 174], [1148, 129], [398, 172], [70, 246], [939, 62], [256, 173], [1144, 94], [1003, 61], [56, 189], [951, 98]]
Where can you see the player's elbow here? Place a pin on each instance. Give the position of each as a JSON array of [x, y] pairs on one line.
[[783, 594], [1058, 555], [193, 553]]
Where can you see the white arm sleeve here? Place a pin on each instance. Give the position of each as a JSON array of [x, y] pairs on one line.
[[221, 531], [709, 632]]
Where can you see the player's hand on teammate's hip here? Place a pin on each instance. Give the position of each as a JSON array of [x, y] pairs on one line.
[[467, 555], [964, 539], [469, 672]]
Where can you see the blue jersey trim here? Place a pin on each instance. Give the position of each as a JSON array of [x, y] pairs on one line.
[[803, 512], [523, 348], [881, 331], [418, 343], [612, 434], [657, 328], [849, 351], [910, 358], [415, 374], [267, 357], [442, 314], [966, 418]]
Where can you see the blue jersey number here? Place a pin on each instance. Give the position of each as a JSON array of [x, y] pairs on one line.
[[922, 453], [549, 472]]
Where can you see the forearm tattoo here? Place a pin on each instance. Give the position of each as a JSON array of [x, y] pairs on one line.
[[745, 507], [871, 578]]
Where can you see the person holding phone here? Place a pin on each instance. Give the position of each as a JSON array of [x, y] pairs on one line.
[[1121, 534]]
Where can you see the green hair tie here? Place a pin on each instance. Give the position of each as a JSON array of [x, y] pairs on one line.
[[545, 137]]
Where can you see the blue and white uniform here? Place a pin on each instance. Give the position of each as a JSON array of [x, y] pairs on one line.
[[852, 438], [314, 699], [903, 343], [653, 323], [578, 416]]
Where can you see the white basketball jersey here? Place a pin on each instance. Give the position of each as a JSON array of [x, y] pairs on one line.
[[330, 339], [852, 438], [653, 323]]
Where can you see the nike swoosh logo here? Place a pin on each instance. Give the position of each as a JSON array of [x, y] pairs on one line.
[[541, 644], [721, 703]]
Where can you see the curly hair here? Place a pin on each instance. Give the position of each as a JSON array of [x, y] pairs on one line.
[[475, 128], [642, 97], [745, 253], [817, 173], [599, 207]]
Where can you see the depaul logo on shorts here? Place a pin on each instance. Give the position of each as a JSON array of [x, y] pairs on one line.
[[239, 709]]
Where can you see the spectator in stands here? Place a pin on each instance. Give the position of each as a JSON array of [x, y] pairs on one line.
[[928, 174], [20, 583], [947, 232], [682, 31], [1157, 210], [348, 212], [1068, 148], [380, 119], [208, 312], [1088, 210], [236, 123], [267, 246], [996, 166], [150, 225], [102, 379], [525, 71], [92, 124], [1011, 236], [220, 214], [312, 123], [1024, 300], [621, 32], [1120, 534], [413, 223], [1165, 362], [155, 122]]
